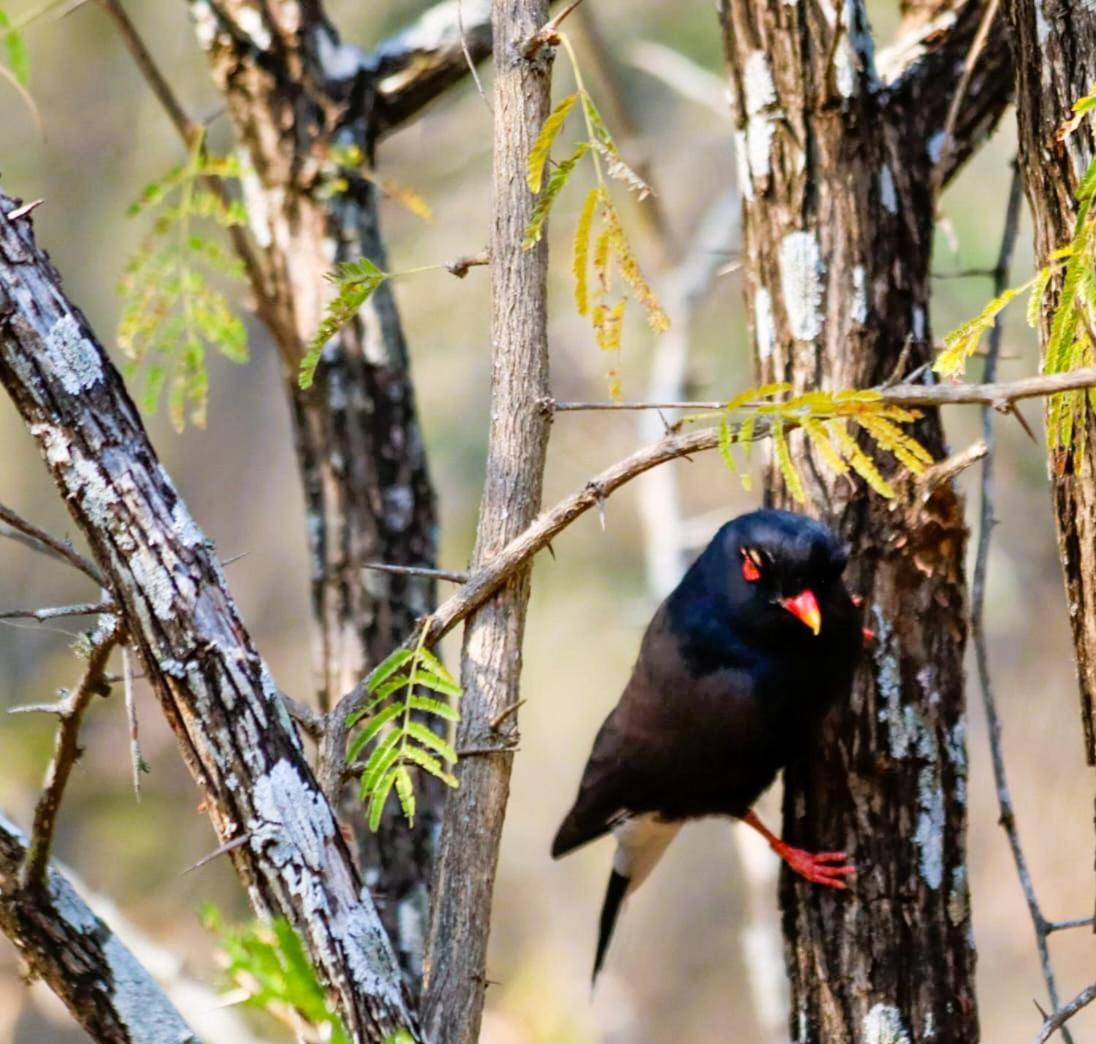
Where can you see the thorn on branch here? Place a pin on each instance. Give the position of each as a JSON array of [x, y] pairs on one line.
[[25, 209], [505, 713], [453, 576], [228, 846]]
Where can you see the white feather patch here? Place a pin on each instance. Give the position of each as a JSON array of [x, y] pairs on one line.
[[641, 840]]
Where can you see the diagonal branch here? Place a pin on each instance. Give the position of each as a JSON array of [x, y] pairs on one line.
[[1064, 1014], [109, 992], [491, 575], [215, 689], [949, 78], [70, 710], [17, 528]]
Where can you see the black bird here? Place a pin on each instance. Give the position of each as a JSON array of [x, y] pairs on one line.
[[736, 671]]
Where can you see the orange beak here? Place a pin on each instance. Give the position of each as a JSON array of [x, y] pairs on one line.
[[804, 607]]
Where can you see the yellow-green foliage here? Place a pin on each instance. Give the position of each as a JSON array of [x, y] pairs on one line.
[[1069, 343], [408, 680], [174, 309], [823, 418], [599, 222]]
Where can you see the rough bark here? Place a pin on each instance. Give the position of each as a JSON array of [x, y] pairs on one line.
[[215, 690], [110, 994], [1055, 59], [837, 175], [299, 98], [491, 657]]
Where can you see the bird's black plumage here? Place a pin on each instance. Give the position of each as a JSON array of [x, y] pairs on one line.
[[729, 686]]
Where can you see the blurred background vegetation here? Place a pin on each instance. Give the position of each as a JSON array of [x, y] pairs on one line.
[[677, 970]]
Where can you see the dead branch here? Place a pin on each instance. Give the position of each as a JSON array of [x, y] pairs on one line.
[[16, 527], [1007, 816], [434, 574], [108, 990], [1064, 1014], [70, 710], [57, 612]]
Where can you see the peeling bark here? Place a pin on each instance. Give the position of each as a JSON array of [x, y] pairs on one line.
[[837, 173], [1055, 59], [110, 994], [217, 694], [491, 657]]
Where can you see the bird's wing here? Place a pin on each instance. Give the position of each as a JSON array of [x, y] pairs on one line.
[[668, 728]]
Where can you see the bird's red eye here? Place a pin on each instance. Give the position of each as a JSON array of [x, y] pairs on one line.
[[751, 565]]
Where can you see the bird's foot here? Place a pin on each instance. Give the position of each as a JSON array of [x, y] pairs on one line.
[[824, 868]]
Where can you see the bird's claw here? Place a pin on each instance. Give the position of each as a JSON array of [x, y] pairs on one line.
[[824, 868]]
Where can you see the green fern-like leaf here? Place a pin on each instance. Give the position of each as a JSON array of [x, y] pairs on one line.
[[175, 309], [355, 282], [265, 964], [408, 682], [963, 341]]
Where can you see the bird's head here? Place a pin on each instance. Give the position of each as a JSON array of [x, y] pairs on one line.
[[778, 572]]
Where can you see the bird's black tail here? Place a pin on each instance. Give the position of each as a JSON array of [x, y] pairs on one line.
[[614, 896]]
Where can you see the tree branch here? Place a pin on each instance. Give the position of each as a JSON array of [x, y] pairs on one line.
[[39, 540], [70, 710], [425, 59], [988, 520], [1064, 1014], [215, 690], [108, 991], [941, 46], [57, 612]]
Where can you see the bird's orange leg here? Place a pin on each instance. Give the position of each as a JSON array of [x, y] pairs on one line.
[[824, 868]]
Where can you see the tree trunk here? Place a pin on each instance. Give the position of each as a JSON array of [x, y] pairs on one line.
[[517, 448], [299, 100], [216, 692], [839, 205], [1055, 58]]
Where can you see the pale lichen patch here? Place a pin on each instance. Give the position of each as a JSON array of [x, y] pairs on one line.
[[75, 358], [888, 196], [858, 309], [801, 284], [883, 1025], [764, 333], [252, 24]]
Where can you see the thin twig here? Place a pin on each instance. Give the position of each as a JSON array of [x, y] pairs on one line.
[[978, 629], [39, 540], [404, 570], [70, 710], [469, 60], [1062, 1015], [137, 762], [190, 131], [952, 119], [41, 615], [1072, 922], [999, 395]]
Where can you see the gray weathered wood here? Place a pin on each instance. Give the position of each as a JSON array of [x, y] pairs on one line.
[[110, 994], [217, 694], [491, 657]]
